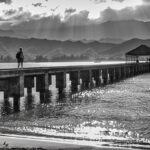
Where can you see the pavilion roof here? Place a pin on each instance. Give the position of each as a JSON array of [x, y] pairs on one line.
[[142, 50]]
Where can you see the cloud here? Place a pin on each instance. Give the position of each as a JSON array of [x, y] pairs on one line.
[[78, 19], [24, 16], [104, 1], [78, 26], [110, 14], [37, 4], [139, 13], [70, 11], [6, 1], [51, 23], [10, 12], [99, 1], [118, 0], [17, 15], [53, 27], [74, 18], [74, 25], [146, 1]]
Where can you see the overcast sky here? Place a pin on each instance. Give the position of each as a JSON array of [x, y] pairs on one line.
[[58, 14], [20, 10]]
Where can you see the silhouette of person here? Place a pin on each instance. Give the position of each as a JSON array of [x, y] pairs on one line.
[[137, 61], [20, 57]]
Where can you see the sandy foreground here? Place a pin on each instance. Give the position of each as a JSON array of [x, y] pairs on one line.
[[18, 141]]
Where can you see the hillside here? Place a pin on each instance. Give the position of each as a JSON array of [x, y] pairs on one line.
[[49, 48], [52, 48], [119, 51]]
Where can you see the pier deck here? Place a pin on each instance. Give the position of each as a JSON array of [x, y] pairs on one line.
[[88, 75]]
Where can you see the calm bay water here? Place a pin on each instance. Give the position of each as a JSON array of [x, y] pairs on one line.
[[117, 114]]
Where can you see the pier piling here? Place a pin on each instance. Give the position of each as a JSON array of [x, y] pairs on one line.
[[13, 82], [75, 80]]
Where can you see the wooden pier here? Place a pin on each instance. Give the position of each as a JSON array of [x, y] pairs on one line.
[[13, 81]]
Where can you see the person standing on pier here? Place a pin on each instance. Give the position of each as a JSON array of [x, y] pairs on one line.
[[20, 57]]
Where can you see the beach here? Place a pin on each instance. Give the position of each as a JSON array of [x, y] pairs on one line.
[[30, 142]]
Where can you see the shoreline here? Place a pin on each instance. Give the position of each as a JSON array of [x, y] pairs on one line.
[[48, 143], [28, 142]]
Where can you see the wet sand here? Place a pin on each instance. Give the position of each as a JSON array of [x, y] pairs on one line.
[[30, 142]]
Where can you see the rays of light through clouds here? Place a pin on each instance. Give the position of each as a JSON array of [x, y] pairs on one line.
[[68, 18]]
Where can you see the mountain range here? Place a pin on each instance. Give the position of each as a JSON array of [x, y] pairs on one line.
[[51, 48], [118, 51]]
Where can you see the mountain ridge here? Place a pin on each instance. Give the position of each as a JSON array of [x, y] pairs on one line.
[[119, 50], [33, 47], [53, 48]]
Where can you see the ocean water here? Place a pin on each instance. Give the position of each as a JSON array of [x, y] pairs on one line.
[[114, 115]]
